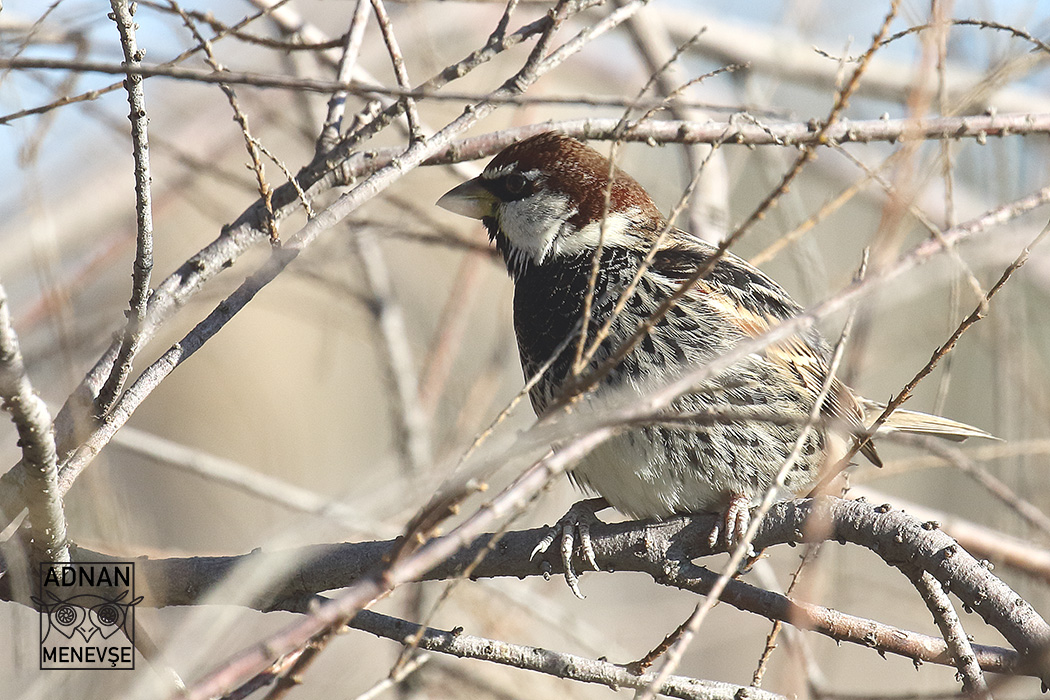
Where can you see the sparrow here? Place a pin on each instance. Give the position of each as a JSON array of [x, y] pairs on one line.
[[547, 203]]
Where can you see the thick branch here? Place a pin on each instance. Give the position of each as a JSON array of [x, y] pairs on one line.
[[33, 422], [951, 628], [665, 551]]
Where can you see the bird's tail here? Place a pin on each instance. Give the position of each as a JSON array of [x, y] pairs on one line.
[[904, 421]]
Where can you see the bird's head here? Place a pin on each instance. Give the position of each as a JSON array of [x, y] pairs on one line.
[[542, 200]]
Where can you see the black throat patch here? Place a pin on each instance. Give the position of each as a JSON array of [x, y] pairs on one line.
[[548, 307]]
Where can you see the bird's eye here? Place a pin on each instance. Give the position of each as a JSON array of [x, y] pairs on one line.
[[516, 183]]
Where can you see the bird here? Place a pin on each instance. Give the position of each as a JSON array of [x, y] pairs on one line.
[[550, 205]]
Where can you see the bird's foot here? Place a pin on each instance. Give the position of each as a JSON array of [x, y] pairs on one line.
[[731, 526], [574, 526]]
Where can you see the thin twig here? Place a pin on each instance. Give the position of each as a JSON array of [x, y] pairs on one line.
[[558, 664], [905, 393], [224, 29], [417, 662], [829, 207], [940, 16], [31, 145], [291, 674], [242, 478], [893, 191], [265, 191], [579, 360], [412, 426], [709, 210], [415, 132], [143, 267], [778, 625], [344, 74], [293, 181]]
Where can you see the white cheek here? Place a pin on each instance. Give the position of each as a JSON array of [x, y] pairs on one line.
[[616, 233], [536, 226], [532, 224]]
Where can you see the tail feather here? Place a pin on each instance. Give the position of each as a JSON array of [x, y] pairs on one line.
[[904, 421]]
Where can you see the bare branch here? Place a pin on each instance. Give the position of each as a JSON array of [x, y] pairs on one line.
[[397, 58], [988, 544], [554, 663], [292, 67], [244, 479], [411, 421], [382, 178], [344, 74], [250, 142], [143, 266], [664, 550], [948, 622], [33, 421]]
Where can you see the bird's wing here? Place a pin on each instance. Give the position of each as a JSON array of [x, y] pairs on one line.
[[746, 298]]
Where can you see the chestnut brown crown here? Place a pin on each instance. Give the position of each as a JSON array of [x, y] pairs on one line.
[[544, 197]]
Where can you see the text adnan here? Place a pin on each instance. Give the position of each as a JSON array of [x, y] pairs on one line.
[[91, 575]]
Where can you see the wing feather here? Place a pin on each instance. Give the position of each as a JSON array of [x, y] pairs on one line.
[[753, 303]]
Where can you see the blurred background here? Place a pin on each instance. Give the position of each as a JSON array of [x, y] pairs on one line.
[[298, 387]]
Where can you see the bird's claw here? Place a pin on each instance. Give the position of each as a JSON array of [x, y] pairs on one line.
[[730, 528], [572, 528]]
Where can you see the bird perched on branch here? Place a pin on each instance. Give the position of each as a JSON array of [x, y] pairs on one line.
[[580, 236]]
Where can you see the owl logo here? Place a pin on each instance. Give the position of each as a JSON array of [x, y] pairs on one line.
[[86, 615]]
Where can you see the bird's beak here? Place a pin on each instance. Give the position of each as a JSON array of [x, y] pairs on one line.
[[471, 199]]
